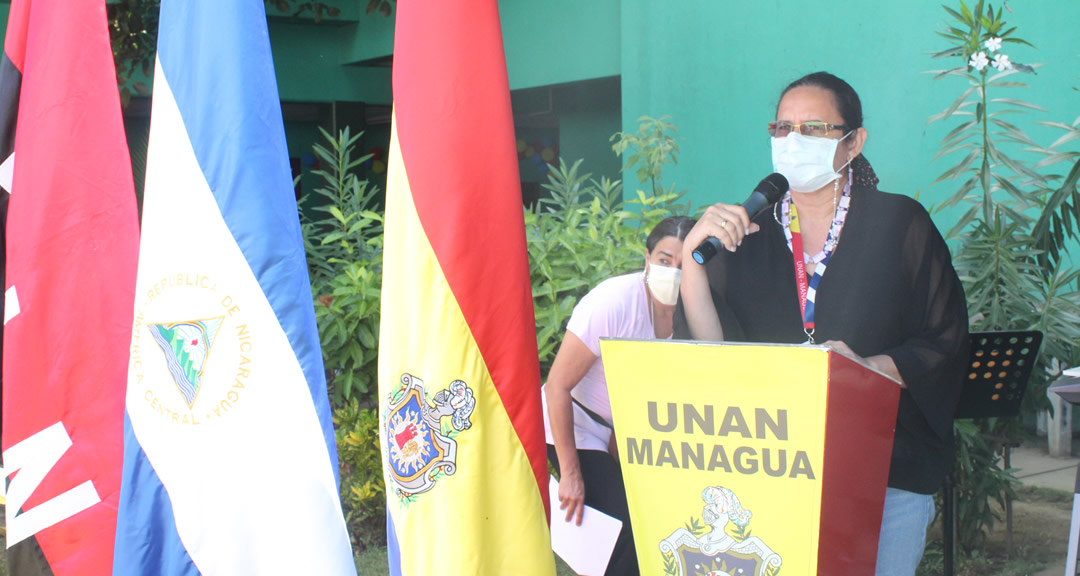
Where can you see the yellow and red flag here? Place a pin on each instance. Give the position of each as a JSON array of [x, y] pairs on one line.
[[459, 391]]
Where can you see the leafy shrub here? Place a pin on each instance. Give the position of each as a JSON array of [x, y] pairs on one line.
[[584, 233], [363, 495], [350, 229], [1008, 261], [577, 238], [344, 249], [347, 312], [648, 150]]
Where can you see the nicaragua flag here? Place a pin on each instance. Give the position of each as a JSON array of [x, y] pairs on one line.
[[229, 455], [72, 241], [459, 381]]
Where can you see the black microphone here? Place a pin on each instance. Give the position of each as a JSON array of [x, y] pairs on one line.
[[767, 192]]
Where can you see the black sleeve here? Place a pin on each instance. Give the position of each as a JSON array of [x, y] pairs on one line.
[[680, 330], [932, 360]]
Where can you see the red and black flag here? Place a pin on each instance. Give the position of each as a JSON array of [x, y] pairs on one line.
[[70, 263]]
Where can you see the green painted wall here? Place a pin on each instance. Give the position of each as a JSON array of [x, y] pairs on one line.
[[301, 136], [369, 38], [558, 41], [715, 67], [720, 75], [590, 116], [309, 63], [551, 42]]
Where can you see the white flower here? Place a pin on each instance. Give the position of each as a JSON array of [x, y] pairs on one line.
[[1001, 62], [993, 44], [978, 61]]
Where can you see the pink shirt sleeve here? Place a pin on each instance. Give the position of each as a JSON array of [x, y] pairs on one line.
[[602, 313]]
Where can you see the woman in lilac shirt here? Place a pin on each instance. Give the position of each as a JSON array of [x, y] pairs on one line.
[[581, 445]]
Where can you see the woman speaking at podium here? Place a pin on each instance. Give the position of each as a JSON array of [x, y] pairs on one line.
[[840, 263], [577, 411]]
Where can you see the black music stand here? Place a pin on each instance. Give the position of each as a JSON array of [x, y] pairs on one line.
[[1068, 387], [999, 366]]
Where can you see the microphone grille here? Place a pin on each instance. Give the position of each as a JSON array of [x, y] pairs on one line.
[[774, 186]]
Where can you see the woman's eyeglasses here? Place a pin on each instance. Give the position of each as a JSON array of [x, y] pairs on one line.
[[819, 129]]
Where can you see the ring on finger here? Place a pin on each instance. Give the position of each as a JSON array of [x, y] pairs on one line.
[[723, 223]]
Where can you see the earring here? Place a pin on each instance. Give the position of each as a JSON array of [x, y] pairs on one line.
[[835, 189]]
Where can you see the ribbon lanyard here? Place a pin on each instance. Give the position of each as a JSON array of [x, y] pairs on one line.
[[807, 290]]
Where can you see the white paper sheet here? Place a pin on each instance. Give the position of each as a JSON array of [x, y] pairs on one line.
[[586, 549]]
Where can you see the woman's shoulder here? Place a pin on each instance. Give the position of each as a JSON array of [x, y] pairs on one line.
[[622, 286], [606, 306], [901, 221], [894, 207], [894, 201]]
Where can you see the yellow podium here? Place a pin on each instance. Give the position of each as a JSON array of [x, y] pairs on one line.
[[743, 459]]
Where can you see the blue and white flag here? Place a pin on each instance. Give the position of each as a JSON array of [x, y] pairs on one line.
[[230, 465]]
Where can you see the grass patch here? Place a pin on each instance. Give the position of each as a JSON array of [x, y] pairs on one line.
[[1040, 539], [372, 562], [1045, 495]]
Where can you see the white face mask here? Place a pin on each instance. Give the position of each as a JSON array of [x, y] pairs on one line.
[[806, 161], [664, 283]]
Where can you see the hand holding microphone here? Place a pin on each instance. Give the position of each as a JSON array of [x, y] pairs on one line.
[[765, 194]]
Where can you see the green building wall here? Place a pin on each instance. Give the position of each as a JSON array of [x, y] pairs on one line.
[[717, 68], [583, 70], [719, 77], [311, 65]]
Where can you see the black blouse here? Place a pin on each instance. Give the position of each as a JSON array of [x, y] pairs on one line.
[[889, 288]]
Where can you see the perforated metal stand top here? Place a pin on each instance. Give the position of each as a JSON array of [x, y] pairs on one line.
[[999, 366]]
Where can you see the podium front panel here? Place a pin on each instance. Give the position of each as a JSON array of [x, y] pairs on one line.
[[726, 462], [721, 449]]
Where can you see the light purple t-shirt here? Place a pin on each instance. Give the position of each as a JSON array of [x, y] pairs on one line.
[[617, 308]]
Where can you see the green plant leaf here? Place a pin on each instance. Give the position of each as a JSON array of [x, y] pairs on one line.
[[959, 168], [1018, 41], [966, 16], [954, 52], [1020, 103], [1055, 158], [958, 71], [958, 102]]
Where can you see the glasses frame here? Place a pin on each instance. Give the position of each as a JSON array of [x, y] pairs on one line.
[[799, 127]]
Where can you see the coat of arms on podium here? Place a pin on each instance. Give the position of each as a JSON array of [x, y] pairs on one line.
[[421, 432], [700, 550]]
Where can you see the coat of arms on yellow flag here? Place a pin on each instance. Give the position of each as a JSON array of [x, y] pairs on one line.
[[723, 451]]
